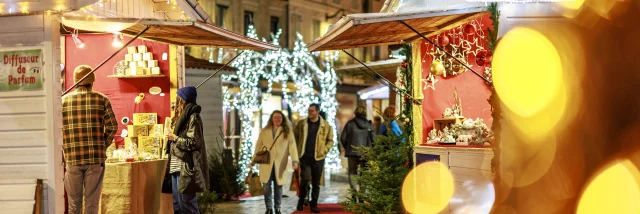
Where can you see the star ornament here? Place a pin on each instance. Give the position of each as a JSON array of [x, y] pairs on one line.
[[429, 82]]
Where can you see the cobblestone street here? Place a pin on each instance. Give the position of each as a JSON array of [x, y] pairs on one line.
[[333, 192]]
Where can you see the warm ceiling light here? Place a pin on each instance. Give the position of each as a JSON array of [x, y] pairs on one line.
[[117, 40], [79, 43]]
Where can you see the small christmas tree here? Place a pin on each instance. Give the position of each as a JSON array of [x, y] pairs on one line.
[[381, 179]]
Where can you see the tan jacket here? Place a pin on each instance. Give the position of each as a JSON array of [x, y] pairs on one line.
[[283, 148], [324, 140]]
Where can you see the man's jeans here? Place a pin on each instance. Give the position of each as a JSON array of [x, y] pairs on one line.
[[84, 182], [268, 194], [182, 203], [311, 171]]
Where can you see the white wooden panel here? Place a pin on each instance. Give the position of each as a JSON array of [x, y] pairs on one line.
[[21, 93], [470, 175], [25, 38], [432, 150], [23, 139], [22, 122], [470, 158], [16, 192], [22, 105], [23, 171], [17, 206], [17, 24], [23, 155]]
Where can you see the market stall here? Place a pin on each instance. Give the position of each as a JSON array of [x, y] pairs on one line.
[[140, 79], [448, 98]]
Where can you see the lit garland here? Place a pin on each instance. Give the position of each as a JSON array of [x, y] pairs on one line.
[[279, 67]]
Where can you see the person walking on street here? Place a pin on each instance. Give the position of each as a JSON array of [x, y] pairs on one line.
[[390, 126], [358, 132], [278, 139], [187, 164], [88, 128], [314, 138]]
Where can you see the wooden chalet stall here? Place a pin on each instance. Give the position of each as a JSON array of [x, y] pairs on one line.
[[470, 166], [38, 61], [134, 186]]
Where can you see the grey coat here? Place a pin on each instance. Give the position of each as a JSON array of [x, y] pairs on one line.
[[358, 132]]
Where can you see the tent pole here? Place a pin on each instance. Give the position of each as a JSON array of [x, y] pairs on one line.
[[219, 69], [105, 61], [448, 54], [386, 81]]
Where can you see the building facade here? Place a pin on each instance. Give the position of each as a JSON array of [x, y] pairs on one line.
[[310, 18]]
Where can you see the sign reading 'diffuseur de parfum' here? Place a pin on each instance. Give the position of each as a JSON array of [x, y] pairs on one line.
[[21, 70]]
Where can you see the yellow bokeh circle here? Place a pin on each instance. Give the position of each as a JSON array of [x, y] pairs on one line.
[[427, 188], [527, 71], [614, 190]]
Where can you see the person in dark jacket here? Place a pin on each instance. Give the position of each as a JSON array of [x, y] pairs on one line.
[[358, 132], [187, 160]]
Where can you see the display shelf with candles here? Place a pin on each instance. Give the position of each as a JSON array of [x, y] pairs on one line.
[[137, 76]]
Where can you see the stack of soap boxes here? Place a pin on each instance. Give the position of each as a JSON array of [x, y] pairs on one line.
[[141, 61], [146, 133]]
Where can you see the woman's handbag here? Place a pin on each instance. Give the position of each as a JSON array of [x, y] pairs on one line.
[[264, 156]]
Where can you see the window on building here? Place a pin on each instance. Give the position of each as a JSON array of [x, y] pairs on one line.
[[297, 24], [248, 20], [275, 24], [316, 29], [221, 12], [376, 53]]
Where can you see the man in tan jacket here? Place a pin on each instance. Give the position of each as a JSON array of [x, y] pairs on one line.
[[314, 139]]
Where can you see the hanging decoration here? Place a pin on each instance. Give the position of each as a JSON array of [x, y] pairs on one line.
[[282, 66], [462, 42]]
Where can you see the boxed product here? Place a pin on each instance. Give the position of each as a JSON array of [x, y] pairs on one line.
[[138, 130], [155, 70], [142, 49], [147, 56], [146, 71], [137, 57], [151, 153], [150, 141], [131, 142], [142, 64], [128, 57], [145, 118], [156, 130], [167, 128], [136, 70], [152, 63], [132, 49]]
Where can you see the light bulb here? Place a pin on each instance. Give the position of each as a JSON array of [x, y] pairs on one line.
[[79, 43], [116, 40]]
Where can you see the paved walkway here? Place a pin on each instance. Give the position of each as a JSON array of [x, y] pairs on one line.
[[333, 192]]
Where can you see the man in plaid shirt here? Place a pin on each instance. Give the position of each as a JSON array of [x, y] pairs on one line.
[[89, 126]]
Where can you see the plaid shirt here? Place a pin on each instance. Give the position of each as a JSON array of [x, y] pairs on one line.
[[88, 127]]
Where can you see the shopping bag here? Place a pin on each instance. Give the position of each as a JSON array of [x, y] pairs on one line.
[[255, 186], [295, 182]]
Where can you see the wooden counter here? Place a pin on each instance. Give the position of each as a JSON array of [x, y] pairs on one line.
[[471, 170]]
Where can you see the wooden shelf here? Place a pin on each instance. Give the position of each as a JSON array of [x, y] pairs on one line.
[[136, 76]]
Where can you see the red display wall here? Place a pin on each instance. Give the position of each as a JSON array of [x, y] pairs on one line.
[[121, 92], [472, 90]]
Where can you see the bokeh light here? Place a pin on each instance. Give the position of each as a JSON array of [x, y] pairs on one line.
[[527, 71], [614, 190], [427, 188]]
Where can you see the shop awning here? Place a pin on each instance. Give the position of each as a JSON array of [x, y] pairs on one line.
[[388, 66], [185, 33], [379, 91], [376, 29]]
